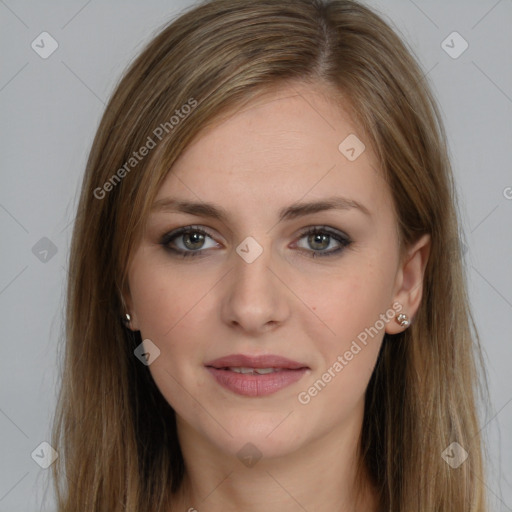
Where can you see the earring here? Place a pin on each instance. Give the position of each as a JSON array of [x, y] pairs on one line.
[[403, 320], [127, 319]]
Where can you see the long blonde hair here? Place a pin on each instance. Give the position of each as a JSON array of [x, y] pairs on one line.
[[113, 429]]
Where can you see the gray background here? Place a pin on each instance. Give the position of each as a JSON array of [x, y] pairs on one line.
[[50, 109]]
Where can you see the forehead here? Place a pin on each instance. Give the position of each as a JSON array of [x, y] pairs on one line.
[[290, 122], [286, 144]]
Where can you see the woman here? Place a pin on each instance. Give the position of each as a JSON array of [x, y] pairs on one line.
[[266, 294]]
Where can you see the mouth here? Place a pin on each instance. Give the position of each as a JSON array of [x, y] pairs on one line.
[[255, 375], [252, 371]]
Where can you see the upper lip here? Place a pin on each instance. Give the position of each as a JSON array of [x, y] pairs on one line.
[[262, 361]]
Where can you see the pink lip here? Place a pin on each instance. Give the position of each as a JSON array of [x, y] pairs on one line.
[[256, 385]]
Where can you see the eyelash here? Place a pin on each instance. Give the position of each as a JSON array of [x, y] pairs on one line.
[[342, 239]]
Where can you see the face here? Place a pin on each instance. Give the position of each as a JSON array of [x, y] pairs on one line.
[[268, 314]]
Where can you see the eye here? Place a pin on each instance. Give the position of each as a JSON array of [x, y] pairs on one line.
[[321, 238], [186, 241], [190, 241]]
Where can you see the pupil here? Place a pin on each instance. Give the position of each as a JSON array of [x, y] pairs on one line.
[[318, 238], [195, 238]]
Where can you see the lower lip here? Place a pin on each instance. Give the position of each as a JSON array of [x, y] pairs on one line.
[[256, 385]]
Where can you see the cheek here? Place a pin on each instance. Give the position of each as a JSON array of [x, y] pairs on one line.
[[168, 308], [176, 310], [163, 298], [349, 302], [354, 308]]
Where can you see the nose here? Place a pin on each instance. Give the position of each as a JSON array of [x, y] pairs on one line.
[[255, 299]]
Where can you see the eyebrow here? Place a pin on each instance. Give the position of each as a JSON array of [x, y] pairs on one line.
[[202, 209]]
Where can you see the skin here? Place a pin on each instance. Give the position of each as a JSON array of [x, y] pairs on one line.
[[279, 149]]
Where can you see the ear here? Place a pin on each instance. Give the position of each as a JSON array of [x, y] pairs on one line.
[[409, 281]]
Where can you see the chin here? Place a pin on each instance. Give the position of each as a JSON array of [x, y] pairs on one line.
[[259, 446], [256, 434]]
